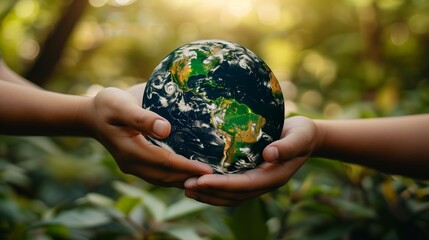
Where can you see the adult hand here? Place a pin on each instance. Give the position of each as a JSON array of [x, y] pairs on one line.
[[121, 125], [282, 159]]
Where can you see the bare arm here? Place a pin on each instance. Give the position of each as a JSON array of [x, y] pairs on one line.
[[6, 74], [31, 111], [397, 145], [114, 117], [26, 109]]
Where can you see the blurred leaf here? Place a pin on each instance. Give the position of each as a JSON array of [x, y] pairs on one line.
[[10, 211], [137, 215], [249, 221], [127, 203], [418, 207], [389, 192], [79, 218], [422, 193], [55, 232], [13, 174], [182, 208], [44, 143], [156, 207], [353, 208], [184, 233], [96, 199]]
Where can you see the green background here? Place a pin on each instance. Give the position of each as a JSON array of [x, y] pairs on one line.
[[334, 60]]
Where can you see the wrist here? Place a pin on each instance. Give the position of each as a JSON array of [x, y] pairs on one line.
[[68, 116], [83, 118], [320, 137]]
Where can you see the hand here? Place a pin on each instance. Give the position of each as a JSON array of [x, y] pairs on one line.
[[121, 124], [282, 159]]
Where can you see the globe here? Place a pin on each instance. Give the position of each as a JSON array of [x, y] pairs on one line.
[[223, 102]]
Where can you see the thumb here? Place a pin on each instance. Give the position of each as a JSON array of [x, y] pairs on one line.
[[148, 122], [289, 147], [127, 111], [161, 128]]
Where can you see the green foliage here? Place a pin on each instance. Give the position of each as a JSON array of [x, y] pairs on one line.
[[248, 221], [334, 59]]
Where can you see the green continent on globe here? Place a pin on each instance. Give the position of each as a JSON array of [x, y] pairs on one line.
[[223, 102], [240, 127], [234, 121], [201, 64]]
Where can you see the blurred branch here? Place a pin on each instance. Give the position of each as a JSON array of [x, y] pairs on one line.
[[371, 29], [55, 43], [8, 6]]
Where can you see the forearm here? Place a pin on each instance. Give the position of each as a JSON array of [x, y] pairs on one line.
[[8, 75], [32, 111], [398, 145]]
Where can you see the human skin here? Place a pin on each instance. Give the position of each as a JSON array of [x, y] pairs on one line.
[[395, 145], [113, 117]]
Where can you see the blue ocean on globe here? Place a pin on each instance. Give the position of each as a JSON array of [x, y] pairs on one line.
[[224, 104]]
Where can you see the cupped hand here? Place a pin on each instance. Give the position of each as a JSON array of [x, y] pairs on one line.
[[282, 159], [121, 125]]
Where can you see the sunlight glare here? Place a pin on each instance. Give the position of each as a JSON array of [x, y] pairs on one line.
[[122, 2], [26, 9], [240, 8], [97, 3], [269, 13]]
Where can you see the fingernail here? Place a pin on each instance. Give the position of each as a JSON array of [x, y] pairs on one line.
[[190, 183], [272, 154], [204, 168], [160, 128]]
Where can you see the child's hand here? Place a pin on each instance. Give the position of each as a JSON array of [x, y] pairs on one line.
[[120, 124], [283, 158]]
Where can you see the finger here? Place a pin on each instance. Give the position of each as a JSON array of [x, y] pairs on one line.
[[191, 183], [264, 175], [267, 175], [127, 111], [159, 174], [292, 145], [160, 177], [271, 154], [147, 122], [229, 195], [139, 148], [212, 200], [226, 190]]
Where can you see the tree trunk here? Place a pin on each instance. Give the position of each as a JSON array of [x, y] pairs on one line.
[[371, 29], [55, 43]]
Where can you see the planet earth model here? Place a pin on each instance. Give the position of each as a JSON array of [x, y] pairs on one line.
[[223, 102]]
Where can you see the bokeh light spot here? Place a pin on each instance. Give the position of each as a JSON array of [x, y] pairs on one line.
[[419, 23], [399, 34], [122, 2], [311, 99], [332, 111], [26, 8], [29, 49], [322, 68], [269, 13], [97, 3], [239, 8]]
